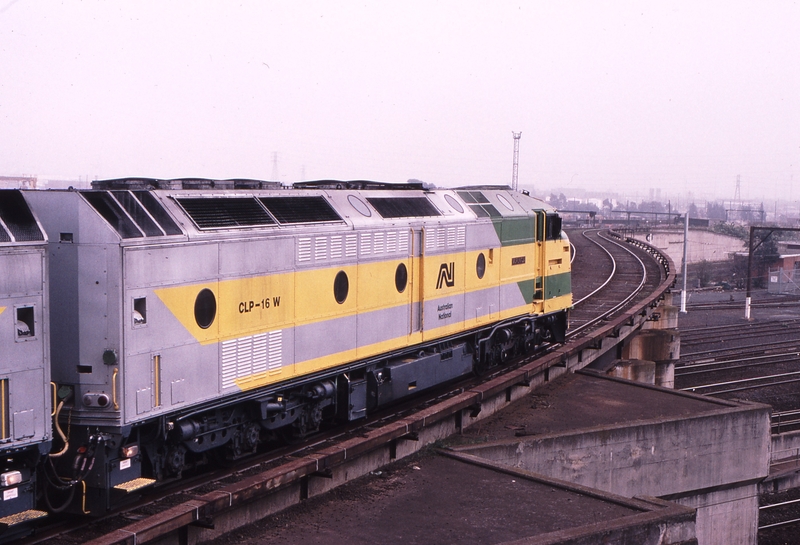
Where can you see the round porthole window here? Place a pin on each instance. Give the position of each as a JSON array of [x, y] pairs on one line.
[[505, 202], [401, 277], [360, 206], [205, 308], [480, 265], [341, 285], [454, 203]]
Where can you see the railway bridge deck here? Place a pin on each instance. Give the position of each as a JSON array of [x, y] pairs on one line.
[[626, 430]]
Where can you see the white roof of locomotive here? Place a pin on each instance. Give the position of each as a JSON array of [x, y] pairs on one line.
[[350, 205]]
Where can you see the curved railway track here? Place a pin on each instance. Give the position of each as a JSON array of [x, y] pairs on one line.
[[621, 273], [635, 274]]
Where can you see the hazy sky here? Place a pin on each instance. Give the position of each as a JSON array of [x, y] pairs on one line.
[[625, 96]]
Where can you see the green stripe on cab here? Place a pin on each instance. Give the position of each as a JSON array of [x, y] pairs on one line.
[[513, 231], [557, 285]]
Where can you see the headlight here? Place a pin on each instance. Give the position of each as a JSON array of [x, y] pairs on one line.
[[10, 478], [130, 451]]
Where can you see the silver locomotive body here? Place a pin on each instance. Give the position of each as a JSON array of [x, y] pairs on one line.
[[25, 390], [191, 322]]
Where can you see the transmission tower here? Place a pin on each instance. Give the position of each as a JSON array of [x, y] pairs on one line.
[[274, 166], [515, 172]]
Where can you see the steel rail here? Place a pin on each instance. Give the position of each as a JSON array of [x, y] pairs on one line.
[[743, 381], [739, 349], [687, 370], [610, 276], [623, 303]]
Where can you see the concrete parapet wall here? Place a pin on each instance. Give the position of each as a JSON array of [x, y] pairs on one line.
[[785, 446], [655, 458], [725, 512], [703, 244], [711, 461]]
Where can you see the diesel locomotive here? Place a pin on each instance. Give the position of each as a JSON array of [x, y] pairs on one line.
[[192, 320], [25, 389]]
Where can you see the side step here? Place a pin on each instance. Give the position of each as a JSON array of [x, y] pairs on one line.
[[23, 516], [134, 485]]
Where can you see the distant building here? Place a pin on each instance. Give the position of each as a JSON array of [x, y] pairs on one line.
[[19, 182], [785, 276]]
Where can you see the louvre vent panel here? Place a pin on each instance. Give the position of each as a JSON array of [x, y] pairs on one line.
[[383, 242], [289, 210], [221, 213], [320, 248], [402, 242], [137, 213], [259, 354], [440, 238], [275, 352], [157, 211], [251, 355], [451, 236], [336, 246], [18, 218], [351, 246], [366, 243], [403, 207], [111, 211], [304, 249]]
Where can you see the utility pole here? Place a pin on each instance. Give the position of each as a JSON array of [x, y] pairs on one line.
[[685, 262], [515, 172]]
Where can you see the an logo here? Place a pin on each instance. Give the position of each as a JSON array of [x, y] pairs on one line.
[[446, 275]]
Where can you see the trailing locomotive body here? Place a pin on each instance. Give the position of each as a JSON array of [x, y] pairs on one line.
[[24, 362], [194, 322]]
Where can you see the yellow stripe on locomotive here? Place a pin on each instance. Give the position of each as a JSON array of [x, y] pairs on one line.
[[261, 304]]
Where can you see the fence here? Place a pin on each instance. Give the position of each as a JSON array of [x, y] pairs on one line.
[[784, 281]]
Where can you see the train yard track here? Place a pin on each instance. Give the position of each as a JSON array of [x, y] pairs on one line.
[[622, 271], [754, 361]]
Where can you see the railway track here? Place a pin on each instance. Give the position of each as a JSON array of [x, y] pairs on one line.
[[178, 506], [785, 301], [755, 361], [620, 273]]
